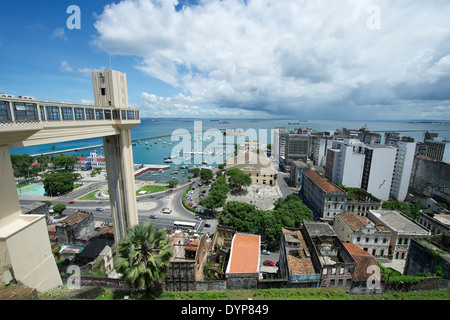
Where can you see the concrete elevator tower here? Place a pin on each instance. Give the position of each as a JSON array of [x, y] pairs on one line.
[[110, 89], [25, 121]]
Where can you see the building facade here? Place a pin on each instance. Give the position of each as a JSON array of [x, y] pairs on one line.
[[295, 260], [363, 233], [404, 160], [324, 198], [402, 230], [329, 255]]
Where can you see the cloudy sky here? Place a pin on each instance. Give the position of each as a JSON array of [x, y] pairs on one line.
[[292, 59]]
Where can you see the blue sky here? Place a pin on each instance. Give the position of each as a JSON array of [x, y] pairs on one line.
[[301, 59]]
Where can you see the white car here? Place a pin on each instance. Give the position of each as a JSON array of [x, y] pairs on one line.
[[166, 210]]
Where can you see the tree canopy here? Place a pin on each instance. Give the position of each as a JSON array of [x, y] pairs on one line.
[[238, 179], [144, 256], [58, 183], [206, 174], [216, 195], [64, 161], [288, 212]]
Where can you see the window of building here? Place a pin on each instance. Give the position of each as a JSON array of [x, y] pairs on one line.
[[79, 113], [130, 115], [90, 114], [5, 114], [358, 239], [124, 115], [99, 114], [42, 112], [66, 113], [400, 240], [108, 114], [103, 91], [324, 271], [25, 111], [52, 112]]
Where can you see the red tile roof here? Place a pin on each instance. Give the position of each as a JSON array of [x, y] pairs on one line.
[[324, 184], [363, 261], [244, 254]]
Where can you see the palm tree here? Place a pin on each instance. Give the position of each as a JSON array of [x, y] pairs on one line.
[[143, 256]]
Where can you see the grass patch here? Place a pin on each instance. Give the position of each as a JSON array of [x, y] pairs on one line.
[[151, 189], [282, 294], [90, 196]]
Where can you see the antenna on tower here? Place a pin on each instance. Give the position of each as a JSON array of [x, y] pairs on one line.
[[109, 55]]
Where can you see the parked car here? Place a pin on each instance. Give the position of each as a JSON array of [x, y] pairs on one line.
[[207, 225], [153, 216], [99, 209], [269, 263], [265, 252]]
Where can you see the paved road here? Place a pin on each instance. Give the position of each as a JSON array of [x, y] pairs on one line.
[[148, 204]]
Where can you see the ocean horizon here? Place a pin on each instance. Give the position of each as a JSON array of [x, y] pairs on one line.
[[154, 153]]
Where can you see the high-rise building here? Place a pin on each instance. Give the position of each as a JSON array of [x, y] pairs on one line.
[[402, 169], [357, 165], [438, 149]]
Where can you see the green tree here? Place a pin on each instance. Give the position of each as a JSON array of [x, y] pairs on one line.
[[21, 164], [206, 175], [172, 183], [58, 183], [64, 161], [59, 208], [195, 171], [144, 256], [288, 212], [238, 179], [217, 195]]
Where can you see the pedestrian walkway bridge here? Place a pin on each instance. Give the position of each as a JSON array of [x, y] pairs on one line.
[[25, 121]]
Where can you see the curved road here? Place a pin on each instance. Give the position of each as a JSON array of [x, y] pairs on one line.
[[148, 204]]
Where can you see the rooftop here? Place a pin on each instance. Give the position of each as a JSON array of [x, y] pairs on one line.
[[244, 256], [301, 264], [323, 184], [77, 217], [319, 229], [363, 261], [356, 222], [398, 222]]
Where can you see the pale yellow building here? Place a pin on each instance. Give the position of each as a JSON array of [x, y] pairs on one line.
[[257, 166]]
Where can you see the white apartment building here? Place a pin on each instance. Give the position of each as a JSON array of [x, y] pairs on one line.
[[402, 169], [320, 150], [279, 145], [356, 165], [347, 165]]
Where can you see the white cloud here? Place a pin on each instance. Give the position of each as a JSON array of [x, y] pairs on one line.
[[59, 33], [181, 106], [66, 67], [312, 58]]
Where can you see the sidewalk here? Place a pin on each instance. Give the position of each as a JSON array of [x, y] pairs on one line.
[[260, 196]]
